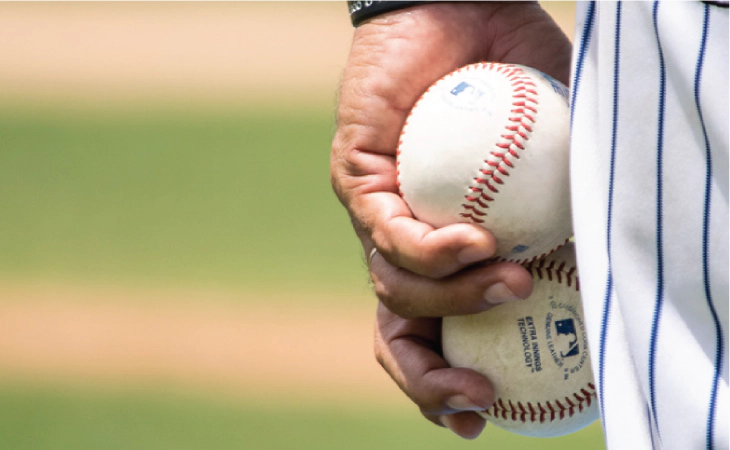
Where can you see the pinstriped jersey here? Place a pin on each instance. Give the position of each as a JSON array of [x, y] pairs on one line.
[[649, 175]]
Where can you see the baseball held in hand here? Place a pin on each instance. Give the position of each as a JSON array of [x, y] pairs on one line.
[[534, 352], [488, 144]]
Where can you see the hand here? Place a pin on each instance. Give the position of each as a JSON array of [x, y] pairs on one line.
[[410, 351], [420, 271], [393, 59]]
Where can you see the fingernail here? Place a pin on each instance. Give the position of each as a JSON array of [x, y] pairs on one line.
[[446, 421], [472, 254], [499, 293], [461, 402]]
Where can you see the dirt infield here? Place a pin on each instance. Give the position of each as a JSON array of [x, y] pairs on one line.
[[275, 350], [198, 52], [179, 52]]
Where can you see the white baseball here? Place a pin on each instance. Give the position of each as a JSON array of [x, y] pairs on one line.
[[535, 353], [488, 144]]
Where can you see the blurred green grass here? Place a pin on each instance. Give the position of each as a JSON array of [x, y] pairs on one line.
[[236, 199], [42, 418]]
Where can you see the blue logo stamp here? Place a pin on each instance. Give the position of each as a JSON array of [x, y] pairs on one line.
[[566, 337], [567, 327], [469, 94]]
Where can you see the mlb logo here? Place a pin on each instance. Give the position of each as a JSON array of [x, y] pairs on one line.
[[567, 328], [466, 93]]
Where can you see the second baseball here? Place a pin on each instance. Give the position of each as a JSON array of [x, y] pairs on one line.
[[534, 352]]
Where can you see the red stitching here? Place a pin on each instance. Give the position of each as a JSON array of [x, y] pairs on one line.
[[543, 412], [554, 270], [474, 210], [506, 152], [517, 133]]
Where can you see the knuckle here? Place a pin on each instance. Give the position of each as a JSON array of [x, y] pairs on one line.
[[381, 236], [421, 258], [380, 356], [393, 300], [384, 292]]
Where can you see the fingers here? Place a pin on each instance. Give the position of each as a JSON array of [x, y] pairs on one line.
[[383, 217], [409, 350], [365, 181], [435, 253], [469, 291]]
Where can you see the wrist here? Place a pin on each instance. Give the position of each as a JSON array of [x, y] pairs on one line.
[[444, 34], [361, 11], [447, 35]]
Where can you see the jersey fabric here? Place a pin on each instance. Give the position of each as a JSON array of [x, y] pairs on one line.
[[649, 177]]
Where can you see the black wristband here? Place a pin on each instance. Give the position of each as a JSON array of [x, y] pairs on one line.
[[363, 10]]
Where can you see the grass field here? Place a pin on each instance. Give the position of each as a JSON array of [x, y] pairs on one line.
[[233, 199], [68, 419]]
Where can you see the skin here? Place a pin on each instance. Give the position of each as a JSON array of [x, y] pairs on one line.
[[419, 273]]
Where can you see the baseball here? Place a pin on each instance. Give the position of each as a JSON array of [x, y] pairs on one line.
[[535, 353], [488, 144]]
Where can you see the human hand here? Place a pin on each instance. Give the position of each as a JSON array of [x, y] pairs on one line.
[[420, 271], [410, 351], [394, 58]]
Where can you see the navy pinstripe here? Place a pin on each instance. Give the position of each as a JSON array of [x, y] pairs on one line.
[[705, 236], [586, 39], [612, 172], [659, 299], [657, 295]]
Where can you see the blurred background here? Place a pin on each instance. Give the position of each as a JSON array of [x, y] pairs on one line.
[[175, 271]]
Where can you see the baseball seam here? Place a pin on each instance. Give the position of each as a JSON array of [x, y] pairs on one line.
[[543, 412], [554, 270], [520, 103], [503, 156]]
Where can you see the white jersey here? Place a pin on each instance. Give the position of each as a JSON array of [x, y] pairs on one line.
[[649, 175]]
